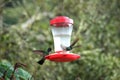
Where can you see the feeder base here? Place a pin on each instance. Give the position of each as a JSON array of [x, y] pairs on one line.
[[62, 56]]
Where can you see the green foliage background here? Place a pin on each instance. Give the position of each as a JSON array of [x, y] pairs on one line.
[[24, 26]]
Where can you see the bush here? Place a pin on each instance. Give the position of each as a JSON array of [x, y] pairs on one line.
[[6, 70]]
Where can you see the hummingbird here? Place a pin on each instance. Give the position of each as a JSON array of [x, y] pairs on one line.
[[43, 54], [71, 45]]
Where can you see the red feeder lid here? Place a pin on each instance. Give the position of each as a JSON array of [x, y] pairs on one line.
[[61, 21], [62, 57]]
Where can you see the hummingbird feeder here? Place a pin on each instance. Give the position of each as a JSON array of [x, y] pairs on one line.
[[61, 27]]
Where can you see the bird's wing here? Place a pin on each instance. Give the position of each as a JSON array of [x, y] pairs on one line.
[[38, 52], [77, 46], [74, 42]]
